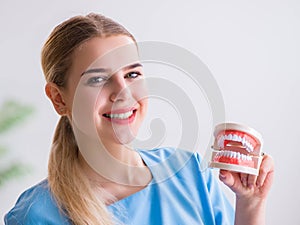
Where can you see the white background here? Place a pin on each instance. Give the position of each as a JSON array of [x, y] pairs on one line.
[[251, 47]]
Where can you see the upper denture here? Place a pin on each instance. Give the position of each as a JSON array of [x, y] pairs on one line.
[[230, 136]]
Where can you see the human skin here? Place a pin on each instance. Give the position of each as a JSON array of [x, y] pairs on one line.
[[115, 95], [111, 92], [105, 93], [251, 192], [115, 134]]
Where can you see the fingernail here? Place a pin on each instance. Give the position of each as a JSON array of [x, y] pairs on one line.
[[222, 176]]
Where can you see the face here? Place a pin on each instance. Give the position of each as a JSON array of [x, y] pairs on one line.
[[105, 90]]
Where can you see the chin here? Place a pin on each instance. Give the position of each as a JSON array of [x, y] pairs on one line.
[[125, 137]]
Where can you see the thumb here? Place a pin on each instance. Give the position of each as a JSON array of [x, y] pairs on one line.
[[228, 178]]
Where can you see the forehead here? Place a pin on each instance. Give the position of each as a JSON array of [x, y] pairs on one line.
[[112, 53]]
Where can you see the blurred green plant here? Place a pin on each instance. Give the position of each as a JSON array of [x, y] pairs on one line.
[[12, 113]]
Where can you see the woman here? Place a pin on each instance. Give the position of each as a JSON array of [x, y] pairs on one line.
[[99, 179]]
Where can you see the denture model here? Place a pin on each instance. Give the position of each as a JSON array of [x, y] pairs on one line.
[[237, 148]]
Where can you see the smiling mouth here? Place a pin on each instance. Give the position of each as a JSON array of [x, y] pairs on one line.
[[120, 116]]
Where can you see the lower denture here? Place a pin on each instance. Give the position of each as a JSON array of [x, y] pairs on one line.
[[236, 161]]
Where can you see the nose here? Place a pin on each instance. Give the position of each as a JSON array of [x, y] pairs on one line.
[[119, 88]]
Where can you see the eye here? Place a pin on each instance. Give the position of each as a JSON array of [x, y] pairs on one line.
[[133, 74], [96, 81]]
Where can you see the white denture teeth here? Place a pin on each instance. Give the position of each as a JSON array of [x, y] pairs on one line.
[[240, 138], [236, 147], [234, 137], [233, 154], [248, 146], [243, 140]]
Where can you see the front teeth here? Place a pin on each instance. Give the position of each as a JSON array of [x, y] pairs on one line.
[[120, 116], [235, 137]]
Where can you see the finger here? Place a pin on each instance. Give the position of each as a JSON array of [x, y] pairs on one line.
[[267, 183], [244, 179], [228, 178], [266, 167], [251, 181]]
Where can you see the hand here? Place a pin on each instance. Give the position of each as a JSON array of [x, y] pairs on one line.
[[251, 192], [251, 187]]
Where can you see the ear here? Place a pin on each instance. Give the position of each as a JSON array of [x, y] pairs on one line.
[[56, 97]]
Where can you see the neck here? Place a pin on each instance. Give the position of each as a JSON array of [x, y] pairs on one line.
[[124, 154], [110, 160], [116, 164]]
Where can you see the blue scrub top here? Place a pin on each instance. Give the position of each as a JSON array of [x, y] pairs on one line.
[[179, 193]]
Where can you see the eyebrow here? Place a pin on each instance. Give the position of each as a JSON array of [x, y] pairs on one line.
[[103, 70]]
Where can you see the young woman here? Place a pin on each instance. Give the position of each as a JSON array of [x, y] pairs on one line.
[[99, 179]]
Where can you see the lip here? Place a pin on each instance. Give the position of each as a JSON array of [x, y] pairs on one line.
[[121, 121], [119, 111]]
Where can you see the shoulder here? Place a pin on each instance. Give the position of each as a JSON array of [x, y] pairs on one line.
[[171, 157], [36, 205], [167, 161], [162, 154]]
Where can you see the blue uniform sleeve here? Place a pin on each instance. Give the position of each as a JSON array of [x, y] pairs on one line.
[[36, 206], [10, 219]]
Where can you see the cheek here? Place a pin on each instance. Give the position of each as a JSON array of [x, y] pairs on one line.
[[101, 101], [144, 106], [140, 93], [83, 110]]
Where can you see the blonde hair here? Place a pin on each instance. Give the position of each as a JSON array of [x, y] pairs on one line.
[[73, 192]]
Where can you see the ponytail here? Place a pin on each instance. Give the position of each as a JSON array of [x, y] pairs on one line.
[[72, 190]]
